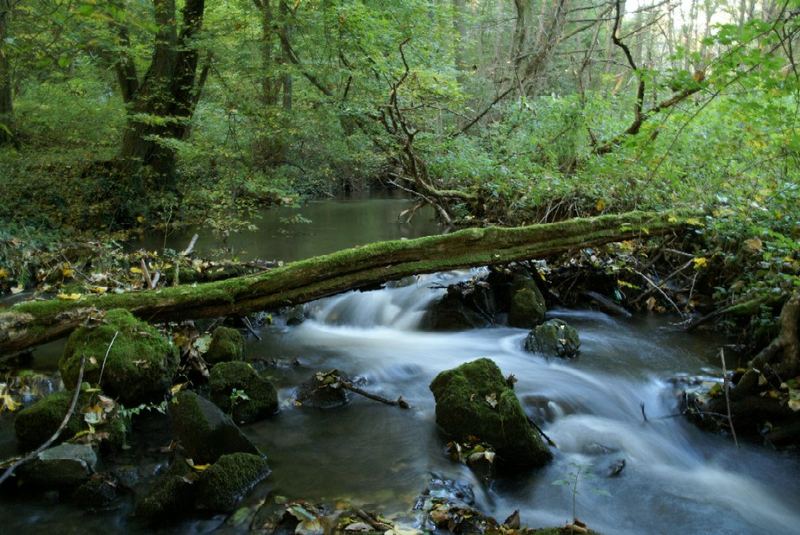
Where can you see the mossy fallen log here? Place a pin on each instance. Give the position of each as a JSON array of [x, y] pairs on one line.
[[34, 322]]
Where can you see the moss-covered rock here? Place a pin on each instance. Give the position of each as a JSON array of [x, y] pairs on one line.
[[37, 423], [140, 363], [63, 466], [466, 305], [204, 431], [474, 400], [527, 307], [554, 338], [229, 480], [226, 344], [259, 399]]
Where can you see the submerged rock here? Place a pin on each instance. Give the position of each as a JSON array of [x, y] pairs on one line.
[[323, 391], [204, 431], [99, 491], [527, 307], [37, 423], [226, 344], [474, 400], [140, 363], [63, 466], [239, 390], [229, 480], [554, 338]]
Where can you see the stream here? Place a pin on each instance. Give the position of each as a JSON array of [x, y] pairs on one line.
[[676, 477]]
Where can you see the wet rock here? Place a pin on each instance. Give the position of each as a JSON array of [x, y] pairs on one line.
[[140, 363], [466, 305], [204, 431], [323, 391], [63, 466], [229, 480], [527, 307], [170, 497], [474, 400], [294, 315], [37, 423], [239, 390], [226, 344], [98, 492], [554, 338]]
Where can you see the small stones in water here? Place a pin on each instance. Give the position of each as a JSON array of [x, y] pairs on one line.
[[554, 338]]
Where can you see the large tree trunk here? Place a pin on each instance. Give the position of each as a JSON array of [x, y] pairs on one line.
[[161, 106], [6, 99], [28, 324]]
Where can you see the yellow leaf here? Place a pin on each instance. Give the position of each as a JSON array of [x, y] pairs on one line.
[[4, 273], [136, 270], [177, 388], [8, 403], [600, 205], [700, 262], [67, 272], [140, 219], [99, 289], [69, 297], [794, 404]]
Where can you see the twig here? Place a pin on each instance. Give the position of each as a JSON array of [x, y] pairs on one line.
[[19, 462], [103, 366], [146, 274], [250, 328], [654, 285], [727, 395], [539, 429], [190, 247], [400, 402], [644, 414]]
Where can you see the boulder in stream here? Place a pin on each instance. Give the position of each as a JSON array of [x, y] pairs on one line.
[[226, 344], [527, 307], [239, 390], [63, 466], [474, 400], [140, 362], [204, 431], [323, 391], [554, 338], [170, 497], [228, 480], [466, 305]]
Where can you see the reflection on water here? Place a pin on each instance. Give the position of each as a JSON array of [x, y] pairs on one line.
[[330, 226]]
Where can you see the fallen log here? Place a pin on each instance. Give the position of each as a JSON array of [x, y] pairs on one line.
[[35, 322]]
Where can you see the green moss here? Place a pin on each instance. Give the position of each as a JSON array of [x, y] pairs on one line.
[[225, 483], [140, 363], [35, 424], [473, 400], [527, 305], [170, 497], [554, 338], [226, 344], [261, 400], [204, 431]]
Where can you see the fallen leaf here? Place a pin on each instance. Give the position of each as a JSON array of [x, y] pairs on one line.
[[753, 245], [67, 297]]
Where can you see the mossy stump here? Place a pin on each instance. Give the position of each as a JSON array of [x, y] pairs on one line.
[[474, 400], [239, 390], [229, 480], [140, 362], [227, 344], [204, 431]]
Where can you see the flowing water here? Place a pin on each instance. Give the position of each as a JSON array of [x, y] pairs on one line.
[[676, 477]]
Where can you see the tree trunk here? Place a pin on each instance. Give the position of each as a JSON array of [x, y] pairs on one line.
[[161, 106], [6, 98], [28, 324]]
